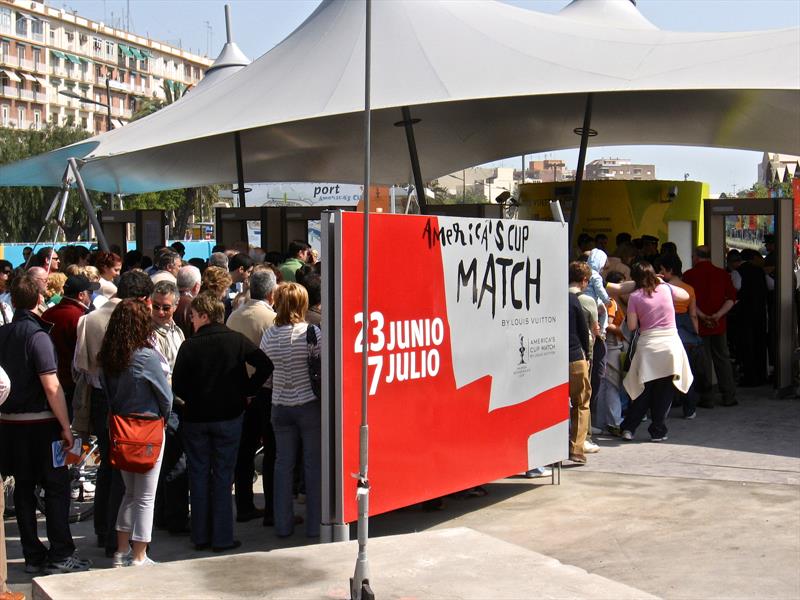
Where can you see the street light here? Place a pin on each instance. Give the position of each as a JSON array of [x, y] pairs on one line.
[[85, 100]]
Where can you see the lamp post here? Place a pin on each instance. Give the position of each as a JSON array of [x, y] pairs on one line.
[[85, 100]]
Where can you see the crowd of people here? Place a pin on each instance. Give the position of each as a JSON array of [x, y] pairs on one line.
[[182, 370], [646, 336], [221, 353]]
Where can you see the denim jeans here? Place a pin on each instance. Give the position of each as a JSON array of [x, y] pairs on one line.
[[211, 450], [292, 424]]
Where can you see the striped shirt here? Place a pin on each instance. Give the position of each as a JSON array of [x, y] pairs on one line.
[[286, 347]]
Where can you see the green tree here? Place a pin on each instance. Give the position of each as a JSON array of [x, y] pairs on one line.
[[22, 209]]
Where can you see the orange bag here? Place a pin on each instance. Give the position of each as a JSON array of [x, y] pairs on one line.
[[135, 441]]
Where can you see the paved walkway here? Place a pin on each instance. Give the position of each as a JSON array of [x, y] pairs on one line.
[[712, 513]]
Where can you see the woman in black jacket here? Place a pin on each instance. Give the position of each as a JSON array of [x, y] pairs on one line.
[[210, 376]]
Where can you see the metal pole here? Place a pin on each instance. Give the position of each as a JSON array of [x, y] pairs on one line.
[[359, 585], [228, 23], [408, 123], [109, 125], [84, 195], [237, 141], [585, 132]]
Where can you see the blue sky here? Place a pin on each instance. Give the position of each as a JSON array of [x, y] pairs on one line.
[[258, 25]]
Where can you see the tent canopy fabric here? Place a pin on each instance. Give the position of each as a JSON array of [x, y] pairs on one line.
[[487, 81]]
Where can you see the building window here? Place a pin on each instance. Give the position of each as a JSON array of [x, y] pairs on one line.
[[21, 117], [37, 57], [22, 25], [5, 19], [110, 51], [37, 28], [37, 119], [121, 76], [20, 52], [97, 45], [54, 118], [5, 48], [98, 72], [4, 115]]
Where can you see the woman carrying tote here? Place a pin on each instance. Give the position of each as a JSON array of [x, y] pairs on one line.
[[659, 365], [134, 381], [296, 410]]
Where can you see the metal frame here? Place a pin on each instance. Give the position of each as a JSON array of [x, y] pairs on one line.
[[714, 213]]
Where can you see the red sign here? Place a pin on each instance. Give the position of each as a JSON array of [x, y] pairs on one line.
[[468, 353]]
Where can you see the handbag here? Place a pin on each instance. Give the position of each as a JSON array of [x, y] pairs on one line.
[[135, 441], [314, 362]]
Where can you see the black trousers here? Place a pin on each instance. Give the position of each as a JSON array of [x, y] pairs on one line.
[[753, 350], [656, 397], [99, 424], [256, 431], [28, 456], [109, 487], [172, 495]]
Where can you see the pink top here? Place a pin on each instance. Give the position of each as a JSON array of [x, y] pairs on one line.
[[654, 312]]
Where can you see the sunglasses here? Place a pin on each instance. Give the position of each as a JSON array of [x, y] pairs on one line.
[[164, 307]]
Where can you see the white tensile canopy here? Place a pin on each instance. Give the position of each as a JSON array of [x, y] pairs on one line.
[[485, 79]]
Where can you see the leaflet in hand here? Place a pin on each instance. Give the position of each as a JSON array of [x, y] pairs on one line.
[[62, 456]]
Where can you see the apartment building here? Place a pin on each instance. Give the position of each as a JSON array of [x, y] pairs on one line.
[[619, 168], [46, 51]]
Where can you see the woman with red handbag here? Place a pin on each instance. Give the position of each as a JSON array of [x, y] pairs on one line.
[[139, 401]]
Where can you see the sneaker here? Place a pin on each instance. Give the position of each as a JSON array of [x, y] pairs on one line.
[[614, 430], [33, 568], [145, 562], [538, 472], [627, 435], [659, 439], [691, 416], [590, 447], [578, 459], [121, 559], [71, 564]]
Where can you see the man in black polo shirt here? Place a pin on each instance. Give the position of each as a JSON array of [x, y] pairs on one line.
[[33, 417]]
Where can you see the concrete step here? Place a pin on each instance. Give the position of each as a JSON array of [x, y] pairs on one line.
[[457, 564]]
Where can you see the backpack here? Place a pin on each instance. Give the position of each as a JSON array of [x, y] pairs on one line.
[[314, 362]]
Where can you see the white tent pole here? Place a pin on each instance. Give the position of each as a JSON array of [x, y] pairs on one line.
[[585, 132], [359, 585]]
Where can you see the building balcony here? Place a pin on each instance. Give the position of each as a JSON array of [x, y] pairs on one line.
[[26, 64], [26, 94], [60, 71], [9, 60], [9, 91], [41, 97]]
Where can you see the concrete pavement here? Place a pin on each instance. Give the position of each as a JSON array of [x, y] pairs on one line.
[[712, 513]]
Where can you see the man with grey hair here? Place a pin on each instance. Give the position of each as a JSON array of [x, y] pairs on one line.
[[189, 286], [39, 276], [172, 495], [252, 319], [168, 263], [218, 259]]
